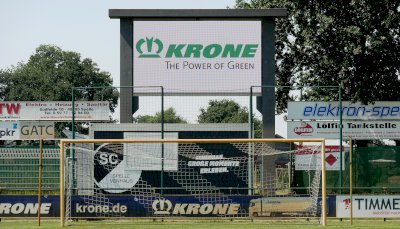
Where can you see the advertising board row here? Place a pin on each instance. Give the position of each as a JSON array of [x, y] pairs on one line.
[[153, 206], [364, 206]]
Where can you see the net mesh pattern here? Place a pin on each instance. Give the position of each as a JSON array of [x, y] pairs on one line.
[[262, 165]]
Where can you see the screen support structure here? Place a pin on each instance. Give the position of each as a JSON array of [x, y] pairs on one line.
[[266, 16]]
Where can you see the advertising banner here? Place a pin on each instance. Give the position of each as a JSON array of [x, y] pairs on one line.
[[368, 206], [153, 205], [355, 129], [353, 111], [55, 111], [197, 56], [36, 130], [9, 131], [307, 159], [27, 206]]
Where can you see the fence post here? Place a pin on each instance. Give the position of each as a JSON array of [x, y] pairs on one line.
[[40, 177]]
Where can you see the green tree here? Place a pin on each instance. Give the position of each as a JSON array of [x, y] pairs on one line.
[[50, 74], [355, 44], [228, 111], [170, 116]]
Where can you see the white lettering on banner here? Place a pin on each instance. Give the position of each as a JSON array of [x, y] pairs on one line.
[[84, 208], [331, 110], [21, 208], [214, 170], [55, 111], [377, 129], [108, 158], [164, 206], [213, 164], [368, 206]]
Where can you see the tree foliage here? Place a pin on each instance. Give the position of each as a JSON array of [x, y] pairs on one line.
[[170, 116], [50, 74], [227, 111], [355, 44]]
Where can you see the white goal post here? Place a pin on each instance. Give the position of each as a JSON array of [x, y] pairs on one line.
[[246, 145]]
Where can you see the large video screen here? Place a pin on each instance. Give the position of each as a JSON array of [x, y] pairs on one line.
[[197, 56]]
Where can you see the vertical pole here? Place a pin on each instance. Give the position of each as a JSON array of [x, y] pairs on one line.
[[268, 95], [40, 178], [323, 184], [73, 136], [341, 140], [250, 158], [62, 202], [73, 114], [351, 181], [251, 135], [126, 70], [301, 93], [268, 81], [162, 137]]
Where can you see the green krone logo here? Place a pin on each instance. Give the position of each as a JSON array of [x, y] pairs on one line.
[[150, 51], [152, 48]]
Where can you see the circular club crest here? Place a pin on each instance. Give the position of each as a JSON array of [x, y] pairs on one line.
[[110, 174]]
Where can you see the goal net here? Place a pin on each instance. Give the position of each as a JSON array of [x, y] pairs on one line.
[[192, 178]]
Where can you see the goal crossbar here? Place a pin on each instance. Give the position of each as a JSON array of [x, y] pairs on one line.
[[65, 142]]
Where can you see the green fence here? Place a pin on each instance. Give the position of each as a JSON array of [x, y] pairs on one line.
[[19, 170], [376, 169]]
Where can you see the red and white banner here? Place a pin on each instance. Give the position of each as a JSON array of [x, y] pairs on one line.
[[309, 157], [55, 111]]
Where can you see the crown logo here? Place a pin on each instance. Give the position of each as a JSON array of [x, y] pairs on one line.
[[149, 52], [162, 206]]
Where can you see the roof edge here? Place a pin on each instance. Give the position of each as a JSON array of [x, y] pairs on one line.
[[197, 13]]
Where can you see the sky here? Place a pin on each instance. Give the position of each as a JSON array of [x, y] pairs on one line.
[[83, 26]]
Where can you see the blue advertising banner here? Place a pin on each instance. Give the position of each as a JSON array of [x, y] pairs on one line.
[[151, 206], [27, 206]]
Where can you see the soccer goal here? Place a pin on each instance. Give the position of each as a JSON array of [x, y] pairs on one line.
[[121, 178]]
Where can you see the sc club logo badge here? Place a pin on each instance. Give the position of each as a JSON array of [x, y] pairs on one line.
[[149, 49], [162, 206]]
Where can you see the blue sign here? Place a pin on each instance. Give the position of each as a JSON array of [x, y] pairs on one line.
[[148, 206]]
